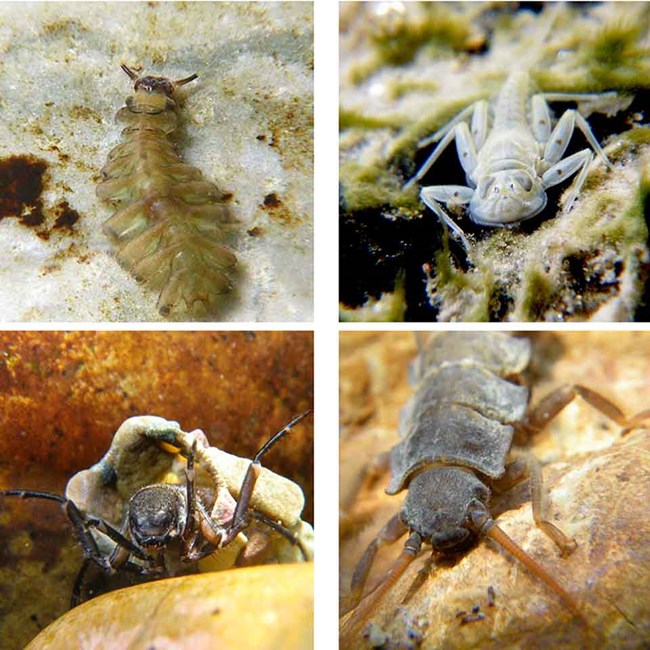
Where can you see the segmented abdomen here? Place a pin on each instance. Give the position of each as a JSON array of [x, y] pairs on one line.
[[464, 407], [167, 231]]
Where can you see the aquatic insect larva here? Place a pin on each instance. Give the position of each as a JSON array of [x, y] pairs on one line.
[[457, 461], [131, 514], [167, 231]]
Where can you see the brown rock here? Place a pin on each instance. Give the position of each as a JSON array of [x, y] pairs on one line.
[[269, 608]]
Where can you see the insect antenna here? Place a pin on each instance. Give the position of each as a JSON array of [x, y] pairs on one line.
[[497, 534], [352, 627], [33, 494], [130, 71], [182, 82], [280, 434]]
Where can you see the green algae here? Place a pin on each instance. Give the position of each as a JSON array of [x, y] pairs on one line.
[[371, 186], [351, 119], [397, 39], [389, 307]]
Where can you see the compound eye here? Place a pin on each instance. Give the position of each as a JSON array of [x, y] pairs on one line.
[[486, 186], [523, 180]]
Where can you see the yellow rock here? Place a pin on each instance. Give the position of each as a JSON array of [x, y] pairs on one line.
[[263, 607]]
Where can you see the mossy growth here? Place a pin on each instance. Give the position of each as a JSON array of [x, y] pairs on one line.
[[389, 307], [537, 295], [396, 38], [349, 119], [637, 136], [399, 88], [398, 41], [616, 56], [475, 288], [373, 186]]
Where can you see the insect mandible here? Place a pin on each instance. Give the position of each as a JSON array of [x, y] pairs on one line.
[[456, 451], [124, 523]]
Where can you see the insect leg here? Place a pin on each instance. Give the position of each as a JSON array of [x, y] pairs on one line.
[[352, 626], [239, 518], [564, 169], [391, 532], [556, 400], [480, 123], [76, 597], [441, 132], [541, 119], [447, 194], [190, 475], [466, 148], [526, 466], [79, 522], [435, 154], [562, 133]]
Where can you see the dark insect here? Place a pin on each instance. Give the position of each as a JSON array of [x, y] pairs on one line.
[[167, 526], [457, 434], [168, 229], [475, 616]]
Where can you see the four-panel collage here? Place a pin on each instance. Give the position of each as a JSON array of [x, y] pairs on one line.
[[173, 360]]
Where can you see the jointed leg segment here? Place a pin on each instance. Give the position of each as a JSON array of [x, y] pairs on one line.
[[390, 533], [555, 401]]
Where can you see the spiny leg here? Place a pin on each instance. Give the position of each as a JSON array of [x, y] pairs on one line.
[[526, 466], [240, 519], [82, 524], [190, 475], [390, 533], [557, 399], [458, 194], [352, 627], [77, 519]]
